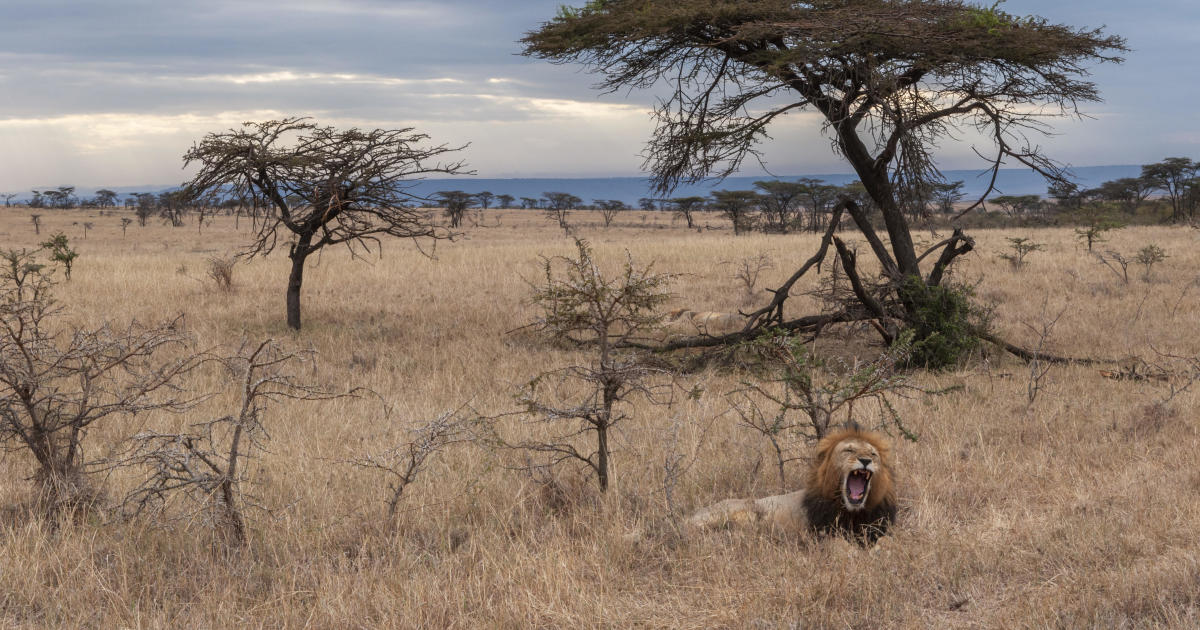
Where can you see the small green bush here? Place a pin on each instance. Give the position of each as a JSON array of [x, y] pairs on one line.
[[61, 252], [946, 323]]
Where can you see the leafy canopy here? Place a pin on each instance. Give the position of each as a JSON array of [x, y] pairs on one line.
[[899, 66]]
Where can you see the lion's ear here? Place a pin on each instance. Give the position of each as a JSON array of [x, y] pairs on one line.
[[885, 450], [825, 446]]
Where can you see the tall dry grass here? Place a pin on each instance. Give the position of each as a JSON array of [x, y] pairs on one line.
[[1079, 509]]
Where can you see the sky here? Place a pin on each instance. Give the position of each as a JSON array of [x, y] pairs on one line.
[[113, 92]]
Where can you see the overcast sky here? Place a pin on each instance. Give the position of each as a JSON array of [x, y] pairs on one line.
[[113, 92]]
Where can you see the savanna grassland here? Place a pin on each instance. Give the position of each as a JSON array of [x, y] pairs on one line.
[[1072, 500]]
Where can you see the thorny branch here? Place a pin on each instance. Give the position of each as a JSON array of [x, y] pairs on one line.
[[206, 463]]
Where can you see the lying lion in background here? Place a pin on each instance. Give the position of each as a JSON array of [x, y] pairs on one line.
[[848, 489], [706, 321]]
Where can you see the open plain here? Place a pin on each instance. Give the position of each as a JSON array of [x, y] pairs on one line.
[[1066, 500]]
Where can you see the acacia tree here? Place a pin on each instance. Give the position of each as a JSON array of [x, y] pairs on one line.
[[583, 305], [1128, 192], [455, 203], [819, 197], [1171, 176], [780, 203], [890, 78], [57, 380], [609, 208], [106, 198], [946, 194], [319, 186], [1014, 205], [738, 206], [559, 206], [686, 206]]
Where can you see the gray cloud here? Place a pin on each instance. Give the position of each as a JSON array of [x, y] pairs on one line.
[[113, 92]]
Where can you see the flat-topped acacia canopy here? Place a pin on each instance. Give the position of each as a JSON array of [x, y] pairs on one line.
[[891, 78]]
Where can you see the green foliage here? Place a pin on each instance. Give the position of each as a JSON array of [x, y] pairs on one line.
[[1021, 247], [586, 307], [603, 313], [566, 12], [1096, 225], [22, 279], [1149, 256], [795, 396], [946, 324], [61, 252], [995, 21]]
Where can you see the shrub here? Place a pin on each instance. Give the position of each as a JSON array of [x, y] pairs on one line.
[[1149, 256], [220, 270], [1021, 247], [946, 323], [582, 306], [61, 252]]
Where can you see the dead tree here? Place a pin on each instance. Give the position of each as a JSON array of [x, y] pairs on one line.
[[206, 463], [58, 380], [403, 463], [890, 79], [320, 186]]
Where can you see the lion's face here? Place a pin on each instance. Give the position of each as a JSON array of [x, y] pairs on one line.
[[856, 462], [852, 466]]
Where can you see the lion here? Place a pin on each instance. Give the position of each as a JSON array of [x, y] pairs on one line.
[[848, 490], [705, 321]]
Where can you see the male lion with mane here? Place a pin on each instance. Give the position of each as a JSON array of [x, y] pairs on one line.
[[848, 490]]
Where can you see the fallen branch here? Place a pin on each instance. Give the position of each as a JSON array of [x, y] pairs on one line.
[[810, 323], [850, 267], [773, 312], [1030, 355]]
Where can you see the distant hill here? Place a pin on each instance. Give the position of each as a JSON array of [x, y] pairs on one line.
[[629, 189], [1011, 181]]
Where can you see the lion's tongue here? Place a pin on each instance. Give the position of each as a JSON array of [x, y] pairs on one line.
[[857, 486]]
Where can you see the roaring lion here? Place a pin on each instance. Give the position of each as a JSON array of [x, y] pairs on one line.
[[848, 490]]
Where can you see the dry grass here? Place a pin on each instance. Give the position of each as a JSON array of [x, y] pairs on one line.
[[1080, 510]]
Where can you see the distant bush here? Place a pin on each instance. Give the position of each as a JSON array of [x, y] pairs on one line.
[[1021, 247], [61, 252], [1149, 256], [220, 270]]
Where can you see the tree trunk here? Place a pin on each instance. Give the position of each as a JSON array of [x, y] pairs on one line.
[[877, 185], [61, 483], [602, 455], [298, 254]]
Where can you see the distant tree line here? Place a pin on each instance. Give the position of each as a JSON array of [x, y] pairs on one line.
[[1165, 192]]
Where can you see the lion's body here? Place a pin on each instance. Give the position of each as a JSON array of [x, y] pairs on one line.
[[834, 499], [706, 322]]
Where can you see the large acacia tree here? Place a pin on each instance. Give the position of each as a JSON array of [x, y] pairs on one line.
[[318, 186], [890, 79]]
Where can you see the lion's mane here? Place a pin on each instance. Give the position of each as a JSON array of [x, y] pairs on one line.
[[823, 505]]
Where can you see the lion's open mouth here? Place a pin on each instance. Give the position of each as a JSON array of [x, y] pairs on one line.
[[858, 482]]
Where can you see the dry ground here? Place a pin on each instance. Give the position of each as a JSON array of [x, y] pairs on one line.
[[1079, 509]]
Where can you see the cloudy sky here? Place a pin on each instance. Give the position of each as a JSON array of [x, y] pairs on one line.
[[112, 92]]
